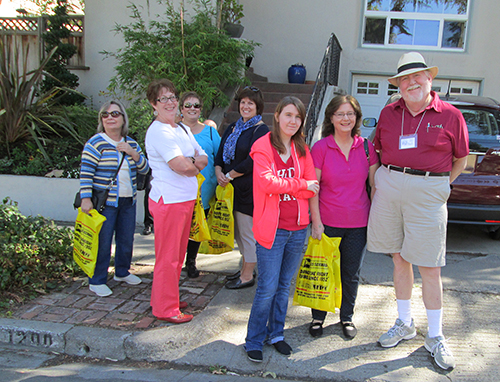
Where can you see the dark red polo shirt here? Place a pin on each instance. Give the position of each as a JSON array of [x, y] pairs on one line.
[[442, 135]]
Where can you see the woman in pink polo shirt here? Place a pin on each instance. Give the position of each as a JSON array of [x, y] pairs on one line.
[[342, 206]]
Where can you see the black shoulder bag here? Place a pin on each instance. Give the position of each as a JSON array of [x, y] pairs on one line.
[[367, 152]]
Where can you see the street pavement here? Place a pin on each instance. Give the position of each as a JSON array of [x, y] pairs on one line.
[[471, 323]]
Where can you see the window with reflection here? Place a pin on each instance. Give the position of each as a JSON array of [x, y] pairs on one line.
[[431, 24], [483, 126]]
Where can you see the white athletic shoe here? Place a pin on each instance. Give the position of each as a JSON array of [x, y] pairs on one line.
[[397, 333], [130, 279], [441, 353], [101, 290]]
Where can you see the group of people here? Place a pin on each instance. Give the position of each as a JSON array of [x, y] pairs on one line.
[[280, 187]]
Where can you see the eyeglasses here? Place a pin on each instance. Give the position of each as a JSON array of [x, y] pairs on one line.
[[252, 88], [189, 105], [350, 114], [166, 99], [114, 114]]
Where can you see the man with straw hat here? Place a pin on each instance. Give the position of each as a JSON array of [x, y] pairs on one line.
[[423, 145]]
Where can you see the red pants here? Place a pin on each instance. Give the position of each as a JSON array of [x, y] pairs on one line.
[[172, 223]]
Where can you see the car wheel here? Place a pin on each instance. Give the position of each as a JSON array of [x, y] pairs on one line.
[[495, 235]]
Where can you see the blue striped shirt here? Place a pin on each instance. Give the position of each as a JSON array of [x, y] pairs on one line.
[[100, 160]]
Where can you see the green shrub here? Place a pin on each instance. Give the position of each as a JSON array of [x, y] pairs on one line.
[[62, 152], [140, 116], [35, 254], [190, 51]]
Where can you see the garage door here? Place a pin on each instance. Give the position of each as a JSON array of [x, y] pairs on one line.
[[372, 92]]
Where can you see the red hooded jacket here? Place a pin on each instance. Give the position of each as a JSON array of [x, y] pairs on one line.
[[267, 186]]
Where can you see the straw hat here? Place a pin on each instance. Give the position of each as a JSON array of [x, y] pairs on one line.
[[409, 63]]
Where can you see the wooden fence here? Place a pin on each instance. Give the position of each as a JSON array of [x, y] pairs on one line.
[[27, 32]]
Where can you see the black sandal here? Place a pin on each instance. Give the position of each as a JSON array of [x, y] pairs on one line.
[[316, 328]]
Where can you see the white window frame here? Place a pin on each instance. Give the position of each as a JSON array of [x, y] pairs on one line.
[[388, 16]]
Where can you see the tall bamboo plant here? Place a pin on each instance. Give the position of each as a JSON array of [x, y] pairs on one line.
[[26, 112], [190, 51]]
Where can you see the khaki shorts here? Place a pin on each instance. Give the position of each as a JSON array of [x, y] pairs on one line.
[[408, 216]]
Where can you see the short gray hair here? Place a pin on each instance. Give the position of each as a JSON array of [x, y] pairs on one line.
[[105, 107]]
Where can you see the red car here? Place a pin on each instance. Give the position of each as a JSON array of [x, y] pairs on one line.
[[475, 195]]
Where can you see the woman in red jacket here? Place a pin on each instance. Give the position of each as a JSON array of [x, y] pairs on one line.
[[283, 180]]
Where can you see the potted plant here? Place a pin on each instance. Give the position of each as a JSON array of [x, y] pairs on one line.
[[230, 13]]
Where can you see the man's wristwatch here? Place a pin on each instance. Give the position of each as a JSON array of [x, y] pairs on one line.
[[228, 176]]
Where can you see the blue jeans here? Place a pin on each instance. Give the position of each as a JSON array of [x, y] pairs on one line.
[[276, 268], [352, 252], [120, 221]]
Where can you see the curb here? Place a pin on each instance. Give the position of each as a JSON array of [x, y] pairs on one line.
[[65, 338]]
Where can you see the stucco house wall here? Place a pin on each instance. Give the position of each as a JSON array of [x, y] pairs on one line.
[[298, 31]]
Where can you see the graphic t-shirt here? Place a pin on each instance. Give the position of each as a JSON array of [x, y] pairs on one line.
[[289, 207]]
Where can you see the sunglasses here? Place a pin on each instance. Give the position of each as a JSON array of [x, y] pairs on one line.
[[252, 88], [114, 114], [189, 105], [166, 99]]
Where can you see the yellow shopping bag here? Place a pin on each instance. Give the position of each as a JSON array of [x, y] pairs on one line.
[[86, 241], [212, 247], [220, 222], [199, 226], [318, 281]]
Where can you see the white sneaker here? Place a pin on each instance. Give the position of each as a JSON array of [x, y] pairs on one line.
[[397, 333], [130, 279], [101, 290], [438, 349]]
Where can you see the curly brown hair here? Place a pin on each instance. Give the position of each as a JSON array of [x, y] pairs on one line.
[[156, 85]]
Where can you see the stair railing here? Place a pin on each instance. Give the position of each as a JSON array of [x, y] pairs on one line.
[[328, 74]]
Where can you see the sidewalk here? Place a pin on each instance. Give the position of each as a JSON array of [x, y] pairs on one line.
[[216, 334]]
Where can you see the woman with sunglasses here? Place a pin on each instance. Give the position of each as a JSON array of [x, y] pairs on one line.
[[234, 164], [101, 158], [284, 180], [342, 206], [209, 140], [175, 159]]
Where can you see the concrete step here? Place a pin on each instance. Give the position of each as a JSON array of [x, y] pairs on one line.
[[274, 87], [273, 93], [276, 97], [255, 77]]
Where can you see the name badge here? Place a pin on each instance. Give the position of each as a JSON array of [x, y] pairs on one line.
[[408, 142]]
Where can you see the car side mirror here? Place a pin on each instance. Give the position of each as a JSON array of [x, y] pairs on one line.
[[369, 122]]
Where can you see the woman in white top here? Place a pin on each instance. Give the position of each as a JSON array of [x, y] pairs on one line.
[[175, 159]]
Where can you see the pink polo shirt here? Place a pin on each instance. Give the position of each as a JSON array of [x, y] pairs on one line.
[[343, 200], [442, 135]]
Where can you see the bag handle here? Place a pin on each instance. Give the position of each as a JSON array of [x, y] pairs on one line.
[[367, 152], [113, 179]]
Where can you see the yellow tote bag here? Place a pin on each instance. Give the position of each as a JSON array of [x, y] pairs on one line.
[[199, 226], [222, 228], [86, 241], [222, 222], [318, 281]]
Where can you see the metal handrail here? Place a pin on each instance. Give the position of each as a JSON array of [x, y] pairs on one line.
[[328, 74]]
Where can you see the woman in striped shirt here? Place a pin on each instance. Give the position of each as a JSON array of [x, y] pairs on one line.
[[101, 157]]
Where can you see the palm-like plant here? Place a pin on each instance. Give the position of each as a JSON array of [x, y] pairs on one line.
[[26, 112]]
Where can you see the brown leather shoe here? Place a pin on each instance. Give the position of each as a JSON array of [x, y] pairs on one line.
[[179, 319]]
